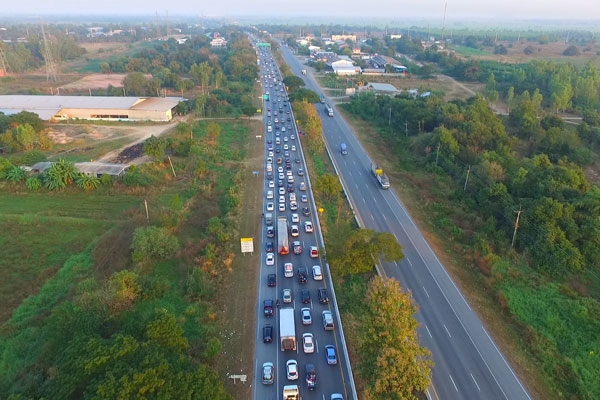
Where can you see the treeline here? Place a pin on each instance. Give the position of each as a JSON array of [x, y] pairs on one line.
[[531, 165], [26, 56], [23, 131], [226, 76]]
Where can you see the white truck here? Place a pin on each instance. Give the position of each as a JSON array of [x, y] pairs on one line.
[[291, 392], [287, 329], [303, 72], [283, 244], [382, 178], [329, 110]]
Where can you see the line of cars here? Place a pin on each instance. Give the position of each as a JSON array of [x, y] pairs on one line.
[[281, 171]]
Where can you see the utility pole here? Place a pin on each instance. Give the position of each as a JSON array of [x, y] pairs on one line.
[[437, 155], [51, 70], [406, 128], [444, 21], [516, 227], [390, 117], [467, 178]]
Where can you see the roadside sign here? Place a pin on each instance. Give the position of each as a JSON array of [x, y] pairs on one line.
[[321, 209], [247, 245], [258, 110]]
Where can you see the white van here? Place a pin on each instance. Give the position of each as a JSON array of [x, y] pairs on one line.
[[269, 129]]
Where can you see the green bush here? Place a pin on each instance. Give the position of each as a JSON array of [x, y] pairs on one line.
[[16, 174], [33, 183], [32, 157], [135, 177], [153, 243]]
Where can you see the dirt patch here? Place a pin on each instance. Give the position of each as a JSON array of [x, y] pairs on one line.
[[96, 81], [239, 289], [129, 154]]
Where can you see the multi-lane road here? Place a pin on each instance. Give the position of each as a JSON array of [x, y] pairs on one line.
[[468, 364], [282, 142]]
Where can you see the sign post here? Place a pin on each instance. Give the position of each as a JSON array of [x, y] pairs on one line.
[[247, 245]]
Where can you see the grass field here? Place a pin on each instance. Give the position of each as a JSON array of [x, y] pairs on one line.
[[468, 51], [39, 232]]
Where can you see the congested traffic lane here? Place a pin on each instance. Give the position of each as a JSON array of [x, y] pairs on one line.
[[330, 378]]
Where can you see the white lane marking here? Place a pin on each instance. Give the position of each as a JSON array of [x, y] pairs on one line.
[[408, 259], [428, 331], [452, 308], [511, 370], [472, 377], [364, 201], [426, 291], [317, 345], [384, 217], [349, 173], [372, 218], [356, 187], [453, 382], [375, 200], [447, 331]]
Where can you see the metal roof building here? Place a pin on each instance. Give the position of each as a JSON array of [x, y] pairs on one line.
[[88, 168], [382, 88], [92, 107]]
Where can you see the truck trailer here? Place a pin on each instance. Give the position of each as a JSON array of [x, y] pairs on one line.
[[287, 329], [382, 178], [329, 110], [283, 244]]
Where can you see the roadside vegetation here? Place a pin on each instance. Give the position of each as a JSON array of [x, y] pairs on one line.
[[367, 303], [123, 306], [476, 171]]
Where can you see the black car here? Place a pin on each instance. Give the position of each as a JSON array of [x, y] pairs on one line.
[[300, 172], [277, 149], [290, 187], [297, 160], [302, 275], [280, 183], [306, 211], [270, 176], [311, 376], [269, 141], [271, 280], [288, 166], [269, 248], [305, 295], [268, 308], [323, 299], [270, 232], [267, 333]]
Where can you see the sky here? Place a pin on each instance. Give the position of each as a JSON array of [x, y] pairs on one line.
[[396, 9]]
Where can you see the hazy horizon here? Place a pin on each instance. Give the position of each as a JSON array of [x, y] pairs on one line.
[[585, 10]]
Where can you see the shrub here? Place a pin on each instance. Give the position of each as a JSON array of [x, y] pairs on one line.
[[16, 174], [33, 183], [153, 243], [88, 182], [571, 51], [32, 157], [5, 165], [134, 177]]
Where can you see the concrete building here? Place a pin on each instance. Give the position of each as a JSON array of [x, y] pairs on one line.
[[218, 42], [343, 37], [392, 36], [58, 108], [344, 67]]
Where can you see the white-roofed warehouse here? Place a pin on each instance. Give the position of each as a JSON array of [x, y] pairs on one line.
[[92, 107]]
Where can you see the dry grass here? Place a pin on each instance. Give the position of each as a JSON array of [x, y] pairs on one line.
[[451, 88], [550, 51], [238, 291]]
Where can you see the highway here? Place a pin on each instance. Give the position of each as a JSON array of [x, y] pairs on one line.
[[468, 364], [330, 378]]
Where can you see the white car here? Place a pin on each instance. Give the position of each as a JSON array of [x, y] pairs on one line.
[[317, 275], [282, 177], [287, 296], [308, 227], [291, 179], [270, 206], [281, 191], [288, 270], [292, 196], [286, 147], [270, 259], [281, 207], [294, 231], [282, 199], [283, 130], [269, 195], [308, 343], [306, 317], [271, 184], [288, 172], [271, 154], [304, 198], [293, 148], [293, 205], [292, 370], [295, 218], [280, 169]]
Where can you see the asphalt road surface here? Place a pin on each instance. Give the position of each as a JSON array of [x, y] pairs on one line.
[[330, 378], [468, 365]]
